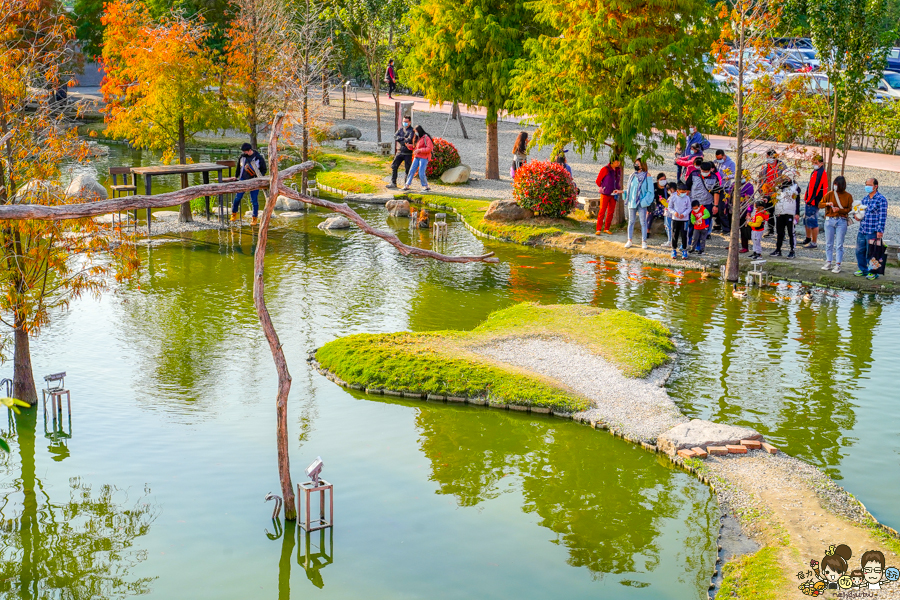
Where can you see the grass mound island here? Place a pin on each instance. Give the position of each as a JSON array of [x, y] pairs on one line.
[[447, 363]]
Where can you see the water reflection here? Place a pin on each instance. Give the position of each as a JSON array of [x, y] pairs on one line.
[[314, 553], [82, 547], [609, 515]]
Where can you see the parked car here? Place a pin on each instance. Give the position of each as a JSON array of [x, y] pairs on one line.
[[816, 83], [889, 85], [788, 42], [893, 59], [802, 56]]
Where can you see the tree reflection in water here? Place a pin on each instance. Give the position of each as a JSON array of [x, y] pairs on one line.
[[609, 515], [79, 548]]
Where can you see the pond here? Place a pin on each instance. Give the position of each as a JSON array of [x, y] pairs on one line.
[[160, 487]]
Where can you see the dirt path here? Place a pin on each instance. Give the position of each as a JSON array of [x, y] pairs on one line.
[[792, 505]]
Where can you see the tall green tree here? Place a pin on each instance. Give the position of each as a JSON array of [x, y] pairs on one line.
[[852, 39], [612, 75], [466, 50]]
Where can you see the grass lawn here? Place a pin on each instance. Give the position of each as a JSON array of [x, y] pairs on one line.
[[444, 363]]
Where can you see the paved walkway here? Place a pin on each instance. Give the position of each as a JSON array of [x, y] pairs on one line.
[[868, 160]]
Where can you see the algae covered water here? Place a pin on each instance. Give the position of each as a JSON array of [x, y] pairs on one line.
[[158, 486]]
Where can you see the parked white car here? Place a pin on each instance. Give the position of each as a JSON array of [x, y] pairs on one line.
[[889, 85]]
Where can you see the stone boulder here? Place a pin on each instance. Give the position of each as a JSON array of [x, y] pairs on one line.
[[369, 198], [285, 203], [37, 191], [698, 432], [397, 208], [458, 174], [86, 188], [335, 222], [342, 132], [591, 207], [506, 210], [291, 215]]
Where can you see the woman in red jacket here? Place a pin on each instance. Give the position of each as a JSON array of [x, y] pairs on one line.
[[421, 147]]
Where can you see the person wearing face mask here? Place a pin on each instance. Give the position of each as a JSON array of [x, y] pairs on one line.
[[787, 212], [837, 204], [706, 188], [694, 145], [609, 180], [770, 178], [660, 201], [639, 196], [680, 212], [815, 191], [871, 227], [404, 138], [727, 171], [687, 163]]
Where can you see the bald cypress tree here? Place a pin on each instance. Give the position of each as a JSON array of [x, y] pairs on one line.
[[610, 73], [466, 50]]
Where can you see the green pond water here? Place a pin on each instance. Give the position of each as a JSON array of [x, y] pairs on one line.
[[160, 487]]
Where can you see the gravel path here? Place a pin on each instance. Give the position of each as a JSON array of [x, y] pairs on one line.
[[585, 167], [639, 408], [785, 499]]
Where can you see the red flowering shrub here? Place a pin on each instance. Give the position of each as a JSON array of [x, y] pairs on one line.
[[544, 187], [444, 156]]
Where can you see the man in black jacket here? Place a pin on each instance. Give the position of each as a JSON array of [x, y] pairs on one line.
[[403, 136], [250, 165]]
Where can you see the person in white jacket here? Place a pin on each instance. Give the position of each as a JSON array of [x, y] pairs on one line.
[[638, 196], [680, 212], [787, 212]]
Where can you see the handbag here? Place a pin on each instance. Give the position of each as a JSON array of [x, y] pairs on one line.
[[877, 257]]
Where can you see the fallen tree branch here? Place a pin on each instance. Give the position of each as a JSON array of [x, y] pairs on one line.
[[84, 210], [387, 236]]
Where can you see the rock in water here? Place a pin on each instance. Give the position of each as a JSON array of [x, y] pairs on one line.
[[506, 210], [285, 203], [342, 132], [702, 433], [86, 188], [38, 191], [458, 174], [592, 208], [335, 222], [397, 208]]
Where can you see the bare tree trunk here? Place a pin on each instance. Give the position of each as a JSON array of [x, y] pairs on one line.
[[492, 166], [376, 87], [457, 114], [848, 142], [326, 93], [832, 138], [344, 106], [254, 129], [184, 213], [305, 117], [284, 562], [733, 266], [259, 300], [23, 376]]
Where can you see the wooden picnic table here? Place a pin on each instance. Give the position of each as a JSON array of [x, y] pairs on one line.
[[184, 171]]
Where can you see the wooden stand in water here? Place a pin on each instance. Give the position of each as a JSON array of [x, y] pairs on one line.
[[305, 491]]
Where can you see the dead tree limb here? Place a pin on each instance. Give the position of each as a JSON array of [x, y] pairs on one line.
[[262, 311], [84, 210], [387, 236]]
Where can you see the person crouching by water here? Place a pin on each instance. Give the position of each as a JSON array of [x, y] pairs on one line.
[[250, 166], [421, 149]]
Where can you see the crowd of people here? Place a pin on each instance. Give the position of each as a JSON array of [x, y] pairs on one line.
[[772, 205]]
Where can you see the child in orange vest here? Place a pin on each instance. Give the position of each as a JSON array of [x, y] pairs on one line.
[[699, 216], [757, 223]]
